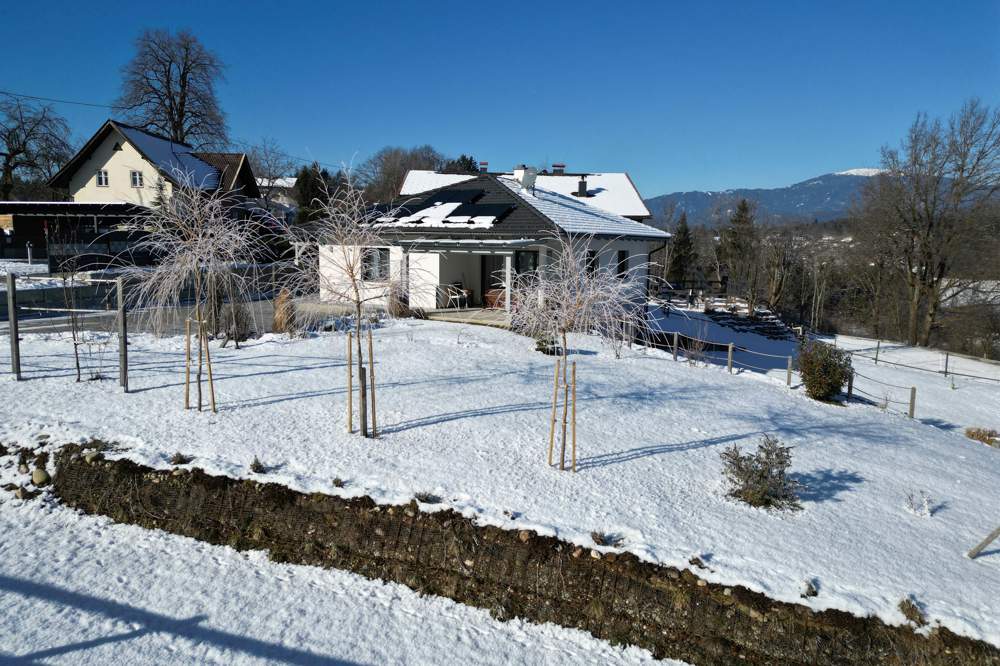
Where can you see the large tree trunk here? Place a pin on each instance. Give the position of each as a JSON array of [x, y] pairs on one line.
[[912, 322]]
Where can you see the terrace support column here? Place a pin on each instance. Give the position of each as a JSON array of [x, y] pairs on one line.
[[506, 281]]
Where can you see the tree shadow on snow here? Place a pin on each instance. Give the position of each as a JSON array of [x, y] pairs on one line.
[[189, 628], [824, 485]]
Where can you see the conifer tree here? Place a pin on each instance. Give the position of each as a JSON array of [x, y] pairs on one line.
[[683, 256]]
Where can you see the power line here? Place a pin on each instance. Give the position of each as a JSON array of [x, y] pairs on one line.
[[60, 101], [244, 144]]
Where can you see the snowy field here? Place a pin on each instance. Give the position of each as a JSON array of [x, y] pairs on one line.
[[76, 589], [464, 415]]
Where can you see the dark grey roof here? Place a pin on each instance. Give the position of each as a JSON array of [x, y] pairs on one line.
[[480, 196]]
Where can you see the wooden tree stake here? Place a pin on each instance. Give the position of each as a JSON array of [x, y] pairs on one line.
[[565, 414], [371, 378], [208, 364], [985, 542], [187, 363], [363, 402], [574, 417], [555, 401], [350, 386]]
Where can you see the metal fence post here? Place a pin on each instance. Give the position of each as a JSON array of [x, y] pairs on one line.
[[788, 375], [15, 341], [122, 336], [878, 345], [675, 345], [730, 363], [913, 400], [946, 358]]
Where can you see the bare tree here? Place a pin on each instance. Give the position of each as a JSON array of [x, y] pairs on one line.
[[169, 88], [34, 141], [929, 199], [197, 238], [270, 164], [354, 266], [382, 174], [778, 252]]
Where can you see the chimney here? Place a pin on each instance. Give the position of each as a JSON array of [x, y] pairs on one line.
[[581, 187], [484, 167], [558, 169]]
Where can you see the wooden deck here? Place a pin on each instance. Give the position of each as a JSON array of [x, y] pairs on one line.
[[476, 316]]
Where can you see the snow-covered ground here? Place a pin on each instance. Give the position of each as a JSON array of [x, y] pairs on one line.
[[952, 402], [76, 589], [464, 415], [21, 267]]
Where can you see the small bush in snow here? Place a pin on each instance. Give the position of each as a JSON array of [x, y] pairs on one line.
[[989, 436], [919, 504], [761, 478], [180, 459], [825, 369], [613, 540], [257, 467]]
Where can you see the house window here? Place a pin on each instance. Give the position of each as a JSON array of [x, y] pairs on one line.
[[622, 263], [136, 179], [525, 261], [591, 262], [375, 264], [102, 178]]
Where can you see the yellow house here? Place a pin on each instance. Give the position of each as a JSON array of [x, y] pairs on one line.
[[126, 164]]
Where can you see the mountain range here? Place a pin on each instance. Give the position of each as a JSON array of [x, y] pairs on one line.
[[822, 198]]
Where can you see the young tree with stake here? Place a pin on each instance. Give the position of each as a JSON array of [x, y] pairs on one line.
[[573, 294], [196, 237]]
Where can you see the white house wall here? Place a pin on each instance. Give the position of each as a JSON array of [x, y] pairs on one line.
[[119, 164], [424, 278], [335, 283]]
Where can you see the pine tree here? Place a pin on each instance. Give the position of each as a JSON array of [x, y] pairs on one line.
[[683, 256], [308, 190], [466, 164]]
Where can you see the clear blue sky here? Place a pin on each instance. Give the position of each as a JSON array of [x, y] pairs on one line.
[[728, 94]]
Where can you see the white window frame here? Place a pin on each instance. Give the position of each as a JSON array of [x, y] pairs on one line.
[[102, 174], [136, 182]]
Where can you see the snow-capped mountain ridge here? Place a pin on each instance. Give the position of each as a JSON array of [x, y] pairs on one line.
[[822, 198]]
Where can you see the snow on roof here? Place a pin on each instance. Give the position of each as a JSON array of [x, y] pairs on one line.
[[173, 159], [859, 172], [613, 192], [574, 216], [418, 181], [287, 183]]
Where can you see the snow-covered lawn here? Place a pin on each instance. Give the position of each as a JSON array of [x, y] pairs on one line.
[[77, 589], [464, 415]]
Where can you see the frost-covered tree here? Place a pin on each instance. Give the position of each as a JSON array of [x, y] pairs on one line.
[[342, 256], [573, 293], [203, 246]]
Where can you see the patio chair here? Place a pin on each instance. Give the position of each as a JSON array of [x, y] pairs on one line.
[[457, 294]]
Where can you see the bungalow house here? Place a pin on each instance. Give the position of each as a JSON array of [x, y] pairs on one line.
[[457, 240], [119, 173]]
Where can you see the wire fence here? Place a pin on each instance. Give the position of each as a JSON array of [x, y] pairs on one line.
[[946, 372]]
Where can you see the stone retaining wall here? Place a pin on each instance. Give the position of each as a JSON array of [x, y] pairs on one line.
[[512, 574]]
